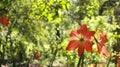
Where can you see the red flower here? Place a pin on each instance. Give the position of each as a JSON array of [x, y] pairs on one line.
[[101, 45], [81, 39], [118, 62], [117, 56], [36, 55], [4, 20]]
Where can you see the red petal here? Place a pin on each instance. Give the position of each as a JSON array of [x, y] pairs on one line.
[[104, 51], [7, 22], [82, 29], [73, 33], [73, 44], [118, 62], [90, 34], [80, 50], [99, 48], [5, 16], [103, 37], [88, 46], [36, 55], [0, 20], [4, 20]]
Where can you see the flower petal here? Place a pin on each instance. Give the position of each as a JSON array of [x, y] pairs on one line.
[[0, 20], [4, 20], [73, 33], [88, 46], [82, 29], [103, 37], [102, 50], [80, 50], [118, 62], [7, 22], [99, 48], [90, 34], [73, 44]]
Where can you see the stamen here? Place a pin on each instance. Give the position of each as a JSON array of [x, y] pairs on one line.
[[81, 39]]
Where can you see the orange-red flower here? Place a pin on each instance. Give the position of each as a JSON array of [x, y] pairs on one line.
[[81, 39], [101, 45], [4, 20], [36, 55], [117, 56], [118, 62]]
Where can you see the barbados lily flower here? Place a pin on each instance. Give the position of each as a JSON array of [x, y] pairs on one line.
[[36, 55], [117, 56], [4, 20], [101, 44], [81, 39], [118, 62]]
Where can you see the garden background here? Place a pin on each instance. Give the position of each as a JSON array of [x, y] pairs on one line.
[[37, 31]]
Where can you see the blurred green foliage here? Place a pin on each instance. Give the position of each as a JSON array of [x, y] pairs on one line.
[[44, 26]]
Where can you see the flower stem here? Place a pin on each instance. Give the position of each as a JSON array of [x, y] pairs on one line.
[[81, 60], [96, 39], [109, 60], [82, 64], [78, 65]]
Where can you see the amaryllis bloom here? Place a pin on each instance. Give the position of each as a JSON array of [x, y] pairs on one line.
[[101, 44], [36, 55], [118, 62], [117, 56], [4, 20], [81, 39]]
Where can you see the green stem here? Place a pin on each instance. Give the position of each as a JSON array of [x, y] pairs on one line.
[[53, 58], [96, 39], [78, 65], [108, 62], [82, 64], [81, 60], [109, 59]]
